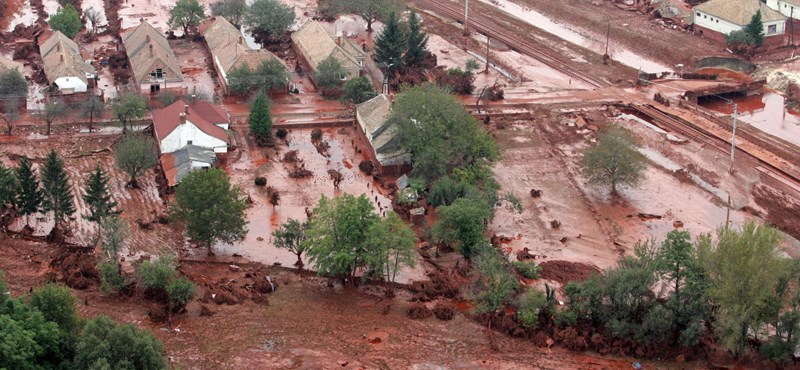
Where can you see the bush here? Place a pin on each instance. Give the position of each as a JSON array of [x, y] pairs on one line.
[[366, 166], [180, 291], [459, 81], [110, 277], [316, 135], [528, 270], [57, 304], [530, 305], [358, 90], [281, 133], [740, 37], [261, 181], [445, 191], [157, 273]]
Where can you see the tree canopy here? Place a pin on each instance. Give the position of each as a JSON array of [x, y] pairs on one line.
[[67, 20], [186, 14], [330, 73], [369, 10], [391, 44], [9, 187], [233, 10], [271, 17], [291, 236], [210, 207], [12, 83], [129, 107], [438, 132], [613, 161], [135, 153], [97, 198], [57, 194], [29, 197], [270, 75], [260, 119], [358, 90]]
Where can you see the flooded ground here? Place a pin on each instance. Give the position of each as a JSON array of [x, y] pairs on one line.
[[155, 12], [578, 36], [104, 45], [20, 12], [196, 71], [298, 195], [766, 112]]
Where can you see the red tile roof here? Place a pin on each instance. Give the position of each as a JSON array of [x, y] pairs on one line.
[[202, 114]]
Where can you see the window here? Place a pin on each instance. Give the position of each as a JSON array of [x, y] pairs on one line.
[[188, 142], [772, 29], [158, 74], [698, 14]]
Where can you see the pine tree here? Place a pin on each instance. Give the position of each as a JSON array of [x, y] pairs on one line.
[[9, 187], [96, 196], [56, 191], [417, 42], [390, 45], [756, 29], [29, 198], [260, 120]]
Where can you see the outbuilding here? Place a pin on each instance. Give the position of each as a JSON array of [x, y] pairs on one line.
[[64, 65], [717, 18]]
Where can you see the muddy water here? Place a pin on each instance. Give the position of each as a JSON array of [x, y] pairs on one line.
[[767, 113], [19, 12], [578, 36], [297, 195]]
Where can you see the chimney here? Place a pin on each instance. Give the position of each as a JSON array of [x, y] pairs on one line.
[[339, 39], [58, 47], [241, 40], [150, 46], [147, 38], [186, 109], [182, 118]]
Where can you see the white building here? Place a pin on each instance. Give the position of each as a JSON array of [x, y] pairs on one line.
[[717, 18], [789, 8], [199, 124], [64, 66]]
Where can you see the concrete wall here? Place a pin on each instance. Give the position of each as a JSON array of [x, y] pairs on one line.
[[724, 27], [186, 132], [773, 40]]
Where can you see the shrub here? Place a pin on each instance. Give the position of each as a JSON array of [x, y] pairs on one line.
[[316, 135], [358, 90], [530, 305], [281, 133], [261, 181], [366, 166], [57, 304], [157, 273], [180, 291], [110, 277], [528, 270]]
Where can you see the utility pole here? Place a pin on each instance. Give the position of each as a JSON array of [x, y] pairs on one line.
[[466, 17], [733, 137], [487, 52], [606, 57], [791, 27]]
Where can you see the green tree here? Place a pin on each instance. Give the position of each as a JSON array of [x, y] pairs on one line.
[[13, 84], [337, 235], [494, 282], [329, 73], [447, 190], [462, 224], [53, 110], [97, 198], [416, 43], [392, 242], [180, 291], [135, 153], [438, 132], [369, 10], [272, 75], [157, 273], [9, 187], [531, 304], [105, 344], [678, 266], [57, 304], [358, 90], [291, 236], [260, 120], [233, 10], [29, 198], [744, 267], [185, 14], [57, 194], [270, 17], [67, 20], [756, 29], [28, 340], [241, 80], [210, 207], [391, 44], [129, 107], [114, 232], [613, 161]]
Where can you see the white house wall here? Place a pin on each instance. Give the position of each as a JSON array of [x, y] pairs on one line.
[[785, 8], [722, 26], [71, 83], [186, 132]]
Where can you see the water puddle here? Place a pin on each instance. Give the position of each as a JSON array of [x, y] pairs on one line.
[[578, 36], [767, 113]]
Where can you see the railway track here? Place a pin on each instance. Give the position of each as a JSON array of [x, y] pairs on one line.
[[485, 24], [777, 169]]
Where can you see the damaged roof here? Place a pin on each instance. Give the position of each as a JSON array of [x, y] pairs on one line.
[[372, 115], [739, 12], [317, 45], [62, 58], [178, 164], [202, 114], [149, 50], [229, 49]]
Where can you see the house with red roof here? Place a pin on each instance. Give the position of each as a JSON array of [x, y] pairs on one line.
[[199, 123], [189, 137]]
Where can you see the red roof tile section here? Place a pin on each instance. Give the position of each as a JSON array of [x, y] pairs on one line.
[[202, 114]]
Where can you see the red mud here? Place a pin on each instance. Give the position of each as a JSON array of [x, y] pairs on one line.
[[565, 271]]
